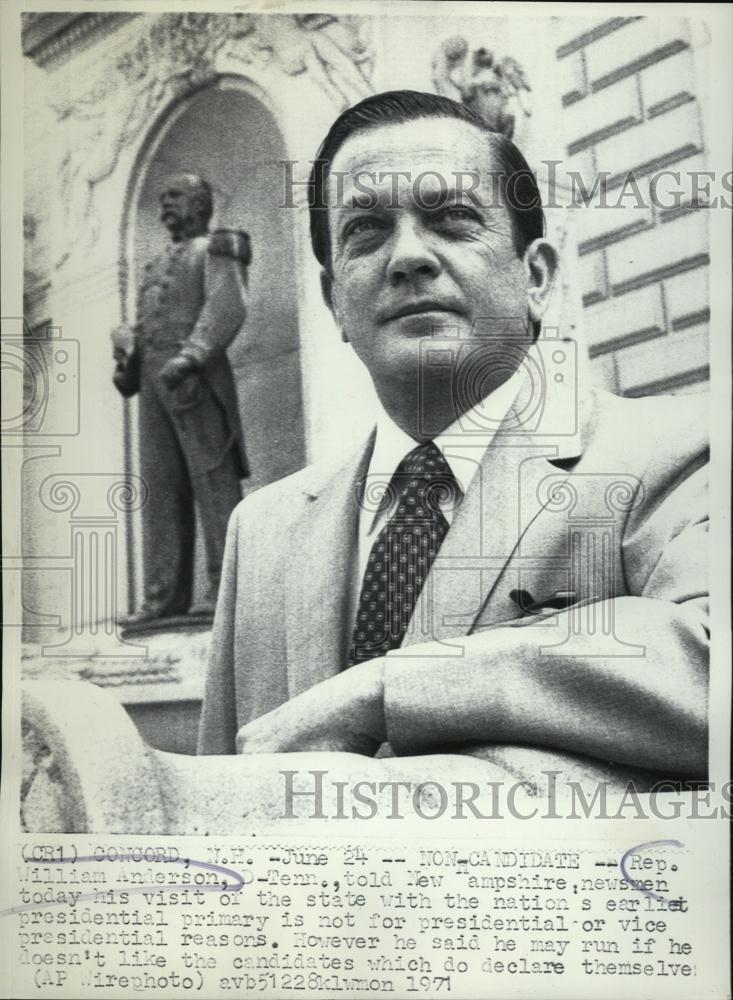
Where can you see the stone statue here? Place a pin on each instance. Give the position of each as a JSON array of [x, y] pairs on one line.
[[490, 85], [191, 305]]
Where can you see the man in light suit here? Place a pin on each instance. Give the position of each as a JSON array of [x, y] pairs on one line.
[[555, 600]]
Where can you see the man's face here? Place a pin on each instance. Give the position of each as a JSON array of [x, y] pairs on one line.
[[404, 272], [179, 204]]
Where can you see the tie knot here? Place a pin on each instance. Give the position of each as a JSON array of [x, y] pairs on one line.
[[425, 473], [425, 460]]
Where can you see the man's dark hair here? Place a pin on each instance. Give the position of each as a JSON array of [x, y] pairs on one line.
[[396, 107]]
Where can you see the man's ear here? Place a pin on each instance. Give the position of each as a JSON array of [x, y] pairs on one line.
[[541, 261], [327, 291]]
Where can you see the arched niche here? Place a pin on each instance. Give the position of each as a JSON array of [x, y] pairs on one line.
[[226, 133]]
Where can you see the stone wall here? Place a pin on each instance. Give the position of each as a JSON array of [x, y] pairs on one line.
[[631, 90]]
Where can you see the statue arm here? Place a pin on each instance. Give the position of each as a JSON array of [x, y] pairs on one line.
[[224, 309]]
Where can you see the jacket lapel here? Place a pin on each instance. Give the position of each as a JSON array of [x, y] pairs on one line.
[[318, 589], [514, 482], [512, 485]]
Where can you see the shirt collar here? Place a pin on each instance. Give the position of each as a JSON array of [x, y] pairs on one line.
[[463, 443]]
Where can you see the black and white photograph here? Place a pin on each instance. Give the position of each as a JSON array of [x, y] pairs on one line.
[[366, 521]]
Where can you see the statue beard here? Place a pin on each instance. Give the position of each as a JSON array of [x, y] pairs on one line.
[[185, 228]]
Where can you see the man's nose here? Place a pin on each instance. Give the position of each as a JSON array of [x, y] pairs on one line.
[[411, 254]]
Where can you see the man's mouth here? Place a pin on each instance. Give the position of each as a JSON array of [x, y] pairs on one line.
[[420, 307]]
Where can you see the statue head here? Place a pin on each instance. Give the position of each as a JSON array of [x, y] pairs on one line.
[[186, 205]]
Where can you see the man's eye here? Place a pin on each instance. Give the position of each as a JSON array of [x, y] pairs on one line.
[[359, 226], [457, 213]]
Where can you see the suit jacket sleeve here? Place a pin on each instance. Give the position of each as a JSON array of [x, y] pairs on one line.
[[218, 726], [224, 309], [648, 710]]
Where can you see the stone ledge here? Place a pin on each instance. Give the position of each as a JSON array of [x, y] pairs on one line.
[[50, 37], [168, 667]]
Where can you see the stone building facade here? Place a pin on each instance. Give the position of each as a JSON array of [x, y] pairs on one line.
[[634, 93]]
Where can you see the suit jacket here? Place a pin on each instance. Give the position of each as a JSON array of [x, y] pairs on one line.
[[610, 521]]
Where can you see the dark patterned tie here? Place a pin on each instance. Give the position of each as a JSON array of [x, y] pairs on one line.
[[404, 551]]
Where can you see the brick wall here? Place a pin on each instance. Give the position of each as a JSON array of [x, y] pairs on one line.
[[631, 107]]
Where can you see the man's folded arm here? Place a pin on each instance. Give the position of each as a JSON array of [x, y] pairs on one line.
[[643, 707], [649, 711]]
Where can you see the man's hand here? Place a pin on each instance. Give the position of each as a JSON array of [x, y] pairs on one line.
[[343, 713], [176, 369]]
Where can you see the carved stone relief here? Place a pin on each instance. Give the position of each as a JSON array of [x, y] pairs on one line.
[[333, 50], [177, 54], [494, 87]]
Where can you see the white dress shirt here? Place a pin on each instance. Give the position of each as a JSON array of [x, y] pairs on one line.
[[462, 444]]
